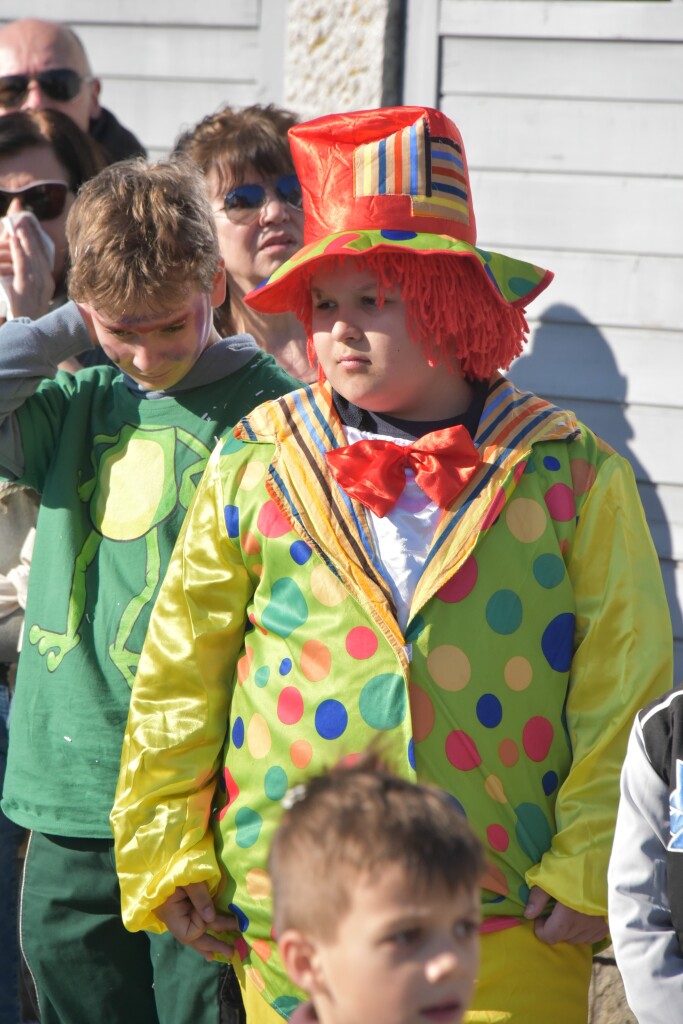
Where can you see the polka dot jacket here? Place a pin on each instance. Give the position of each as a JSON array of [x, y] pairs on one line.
[[537, 629]]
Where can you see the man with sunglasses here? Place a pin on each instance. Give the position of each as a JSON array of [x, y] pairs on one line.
[[43, 64]]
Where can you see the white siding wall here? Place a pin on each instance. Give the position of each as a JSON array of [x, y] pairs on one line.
[[572, 116], [164, 64]]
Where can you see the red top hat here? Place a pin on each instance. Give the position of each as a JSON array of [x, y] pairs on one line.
[[389, 179]]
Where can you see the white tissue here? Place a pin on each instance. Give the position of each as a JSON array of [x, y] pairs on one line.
[[9, 225]]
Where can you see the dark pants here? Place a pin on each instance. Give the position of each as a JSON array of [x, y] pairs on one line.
[[10, 837], [85, 965]]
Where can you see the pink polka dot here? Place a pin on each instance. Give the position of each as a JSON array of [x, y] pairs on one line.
[[340, 243], [421, 712], [461, 584], [231, 790], [518, 471], [498, 838], [560, 501], [537, 736], [271, 522], [361, 642], [241, 948], [316, 660], [461, 751], [495, 508], [290, 706]]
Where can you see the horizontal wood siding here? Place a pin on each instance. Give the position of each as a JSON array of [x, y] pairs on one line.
[[572, 116], [164, 65]]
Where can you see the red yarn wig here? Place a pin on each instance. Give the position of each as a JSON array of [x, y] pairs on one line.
[[452, 311]]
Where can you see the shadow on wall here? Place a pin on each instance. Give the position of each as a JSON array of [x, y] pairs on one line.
[[572, 365]]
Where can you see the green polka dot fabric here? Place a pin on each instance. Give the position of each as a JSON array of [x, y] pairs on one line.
[[512, 688]]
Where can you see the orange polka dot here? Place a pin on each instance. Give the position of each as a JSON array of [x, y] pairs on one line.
[[250, 543], [518, 673], [244, 665], [301, 753], [421, 711], [316, 660], [508, 752], [262, 949], [583, 475], [495, 880]]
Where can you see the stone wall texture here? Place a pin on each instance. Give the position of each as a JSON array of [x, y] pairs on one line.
[[335, 55]]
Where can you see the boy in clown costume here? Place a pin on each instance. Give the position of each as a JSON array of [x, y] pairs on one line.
[[411, 547]]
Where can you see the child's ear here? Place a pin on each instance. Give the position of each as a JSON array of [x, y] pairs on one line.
[[219, 287], [298, 954]]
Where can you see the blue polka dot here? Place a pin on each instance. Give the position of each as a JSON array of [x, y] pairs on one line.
[[549, 782], [489, 710], [557, 642], [397, 236], [411, 754], [495, 899], [248, 627], [415, 629], [300, 552], [262, 675], [285, 666], [504, 612], [238, 732], [491, 277], [550, 462], [331, 719], [456, 803], [549, 570], [275, 784], [232, 520], [242, 919]]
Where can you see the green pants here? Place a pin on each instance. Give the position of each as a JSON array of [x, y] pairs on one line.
[[85, 965]]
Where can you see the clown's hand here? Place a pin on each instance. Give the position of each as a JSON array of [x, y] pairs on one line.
[[189, 915], [563, 924]]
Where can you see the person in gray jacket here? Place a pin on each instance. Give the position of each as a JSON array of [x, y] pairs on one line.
[[646, 868]]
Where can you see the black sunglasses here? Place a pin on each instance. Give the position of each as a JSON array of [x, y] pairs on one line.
[[59, 84], [45, 199], [242, 204]]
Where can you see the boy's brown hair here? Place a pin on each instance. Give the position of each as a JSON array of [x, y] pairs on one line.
[[141, 235], [356, 820]]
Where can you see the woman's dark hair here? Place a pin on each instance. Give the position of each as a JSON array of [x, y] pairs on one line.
[[79, 155]]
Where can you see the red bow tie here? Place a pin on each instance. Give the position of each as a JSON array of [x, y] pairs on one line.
[[373, 472]]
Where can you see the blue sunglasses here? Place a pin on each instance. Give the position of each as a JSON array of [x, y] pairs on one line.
[[243, 203]]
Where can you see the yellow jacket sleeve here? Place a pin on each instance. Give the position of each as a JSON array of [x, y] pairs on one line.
[[179, 715], [623, 658]]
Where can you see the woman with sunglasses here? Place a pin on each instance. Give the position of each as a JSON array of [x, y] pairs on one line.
[[255, 195], [44, 160]]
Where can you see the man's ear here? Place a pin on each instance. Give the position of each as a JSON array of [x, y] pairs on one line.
[[220, 284], [95, 108], [298, 954]]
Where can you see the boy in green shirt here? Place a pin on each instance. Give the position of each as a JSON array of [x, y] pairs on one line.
[[116, 453]]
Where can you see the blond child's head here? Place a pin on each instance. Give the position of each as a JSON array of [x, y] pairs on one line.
[[376, 898], [141, 234], [145, 268]]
